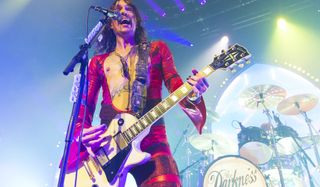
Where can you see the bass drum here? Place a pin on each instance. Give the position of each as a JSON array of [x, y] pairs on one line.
[[233, 170]]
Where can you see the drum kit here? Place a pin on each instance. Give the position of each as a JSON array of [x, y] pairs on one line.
[[271, 155]]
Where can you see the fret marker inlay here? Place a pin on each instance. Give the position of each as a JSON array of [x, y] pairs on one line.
[[154, 113], [165, 104], [184, 89], [174, 98], [144, 122]]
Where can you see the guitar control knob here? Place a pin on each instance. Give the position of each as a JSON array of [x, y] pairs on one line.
[[120, 122]]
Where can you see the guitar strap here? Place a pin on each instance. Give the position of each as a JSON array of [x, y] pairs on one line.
[[139, 86]]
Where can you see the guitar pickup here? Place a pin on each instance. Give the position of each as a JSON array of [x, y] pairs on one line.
[[102, 157], [120, 140]]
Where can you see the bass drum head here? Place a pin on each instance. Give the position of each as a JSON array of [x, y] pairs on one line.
[[233, 170]]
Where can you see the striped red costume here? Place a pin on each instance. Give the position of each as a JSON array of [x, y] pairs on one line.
[[161, 170]]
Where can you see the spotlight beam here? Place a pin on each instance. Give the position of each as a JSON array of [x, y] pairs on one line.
[[180, 5], [156, 8]]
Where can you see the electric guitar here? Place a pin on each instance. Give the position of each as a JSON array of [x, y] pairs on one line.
[[109, 165]]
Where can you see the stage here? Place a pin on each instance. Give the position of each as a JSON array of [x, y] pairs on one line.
[[279, 81]]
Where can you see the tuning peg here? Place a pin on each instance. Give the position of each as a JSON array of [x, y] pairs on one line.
[[231, 47], [241, 65], [230, 68]]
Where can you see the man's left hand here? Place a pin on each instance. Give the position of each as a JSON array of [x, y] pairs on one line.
[[198, 82]]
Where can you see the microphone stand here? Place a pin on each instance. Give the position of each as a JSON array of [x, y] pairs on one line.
[[82, 58]]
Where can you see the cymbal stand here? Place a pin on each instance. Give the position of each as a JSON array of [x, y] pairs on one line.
[[186, 169], [186, 173], [308, 121], [273, 140], [183, 135], [305, 157], [304, 160], [206, 159]]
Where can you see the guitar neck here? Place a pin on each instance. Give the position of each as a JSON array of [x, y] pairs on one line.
[[225, 60], [161, 108]]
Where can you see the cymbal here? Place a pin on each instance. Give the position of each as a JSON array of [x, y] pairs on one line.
[[296, 104], [212, 143], [267, 94], [287, 146], [307, 141]]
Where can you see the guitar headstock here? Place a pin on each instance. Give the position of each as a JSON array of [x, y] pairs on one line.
[[230, 58]]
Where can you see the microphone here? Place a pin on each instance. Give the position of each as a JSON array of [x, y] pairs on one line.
[[115, 15]]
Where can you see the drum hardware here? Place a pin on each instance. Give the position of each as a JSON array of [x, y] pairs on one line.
[[288, 132], [285, 144], [301, 104], [273, 144], [187, 169], [263, 97], [304, 160], [183, 136], [293, 143]]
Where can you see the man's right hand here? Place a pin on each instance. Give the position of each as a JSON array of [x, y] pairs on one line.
[[92, 139]]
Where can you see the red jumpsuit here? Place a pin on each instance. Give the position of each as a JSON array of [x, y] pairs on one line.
[[161, 170]]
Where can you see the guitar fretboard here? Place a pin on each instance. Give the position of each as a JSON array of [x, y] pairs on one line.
[[224, 60], [160, 109]]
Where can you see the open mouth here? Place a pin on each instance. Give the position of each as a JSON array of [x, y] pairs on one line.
[[126, 22]]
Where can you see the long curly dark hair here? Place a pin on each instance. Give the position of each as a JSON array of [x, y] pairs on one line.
[[108, 42]]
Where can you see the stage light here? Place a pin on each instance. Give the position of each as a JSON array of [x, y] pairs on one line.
[[10, 9], [224, 40], [282, 23], [202, 2], [180, 5], [156, 8]]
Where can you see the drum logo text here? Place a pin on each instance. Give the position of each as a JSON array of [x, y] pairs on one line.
[[227, 178]]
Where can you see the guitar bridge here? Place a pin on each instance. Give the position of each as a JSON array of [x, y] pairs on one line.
[[89, 171]]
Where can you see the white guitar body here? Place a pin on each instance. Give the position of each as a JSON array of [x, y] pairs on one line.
[[90, 172]]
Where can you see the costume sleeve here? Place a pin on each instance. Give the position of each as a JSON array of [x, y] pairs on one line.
[[94, 84], [195, 111]]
